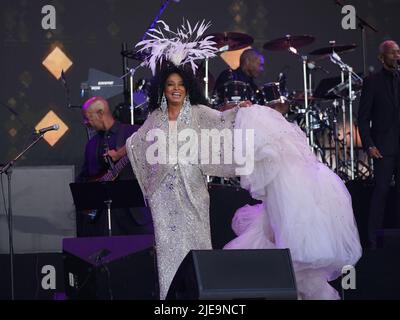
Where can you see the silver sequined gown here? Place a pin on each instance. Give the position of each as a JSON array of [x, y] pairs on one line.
[[177, 193]]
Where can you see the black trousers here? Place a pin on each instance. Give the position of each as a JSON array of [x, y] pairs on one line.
[[384, 170]]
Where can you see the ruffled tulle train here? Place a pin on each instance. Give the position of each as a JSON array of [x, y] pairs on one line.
[[306, 207]]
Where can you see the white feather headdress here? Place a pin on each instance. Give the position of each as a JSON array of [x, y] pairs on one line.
[[184, 46]]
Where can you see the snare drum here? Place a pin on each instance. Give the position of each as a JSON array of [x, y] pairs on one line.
[[234, 91]]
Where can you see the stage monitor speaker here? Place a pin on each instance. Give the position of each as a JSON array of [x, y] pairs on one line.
[[235, 274], [110, 268]]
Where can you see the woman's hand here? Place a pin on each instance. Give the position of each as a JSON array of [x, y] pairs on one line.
[[245, 104]]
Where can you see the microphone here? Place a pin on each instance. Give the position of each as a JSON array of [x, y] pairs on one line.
[[293, 50], [143, 64], [336, 57], [313, 66], [132, 71], [51, 128]]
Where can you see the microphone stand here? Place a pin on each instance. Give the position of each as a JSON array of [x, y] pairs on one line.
[[164, 6], [206, 76], [206, 79], [132, 71], [67, 92], [7, 169], [362, 24], [131, 74], [307, 91], [353, 78]]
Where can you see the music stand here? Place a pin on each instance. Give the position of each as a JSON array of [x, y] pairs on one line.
[[323, 90], [329, 89], [111, 195]]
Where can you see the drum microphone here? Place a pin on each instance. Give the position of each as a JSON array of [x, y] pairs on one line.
[[51, 128], [133, 70], [312, 65]]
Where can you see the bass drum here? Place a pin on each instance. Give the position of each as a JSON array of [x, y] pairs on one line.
[[141, 100], [122, 111]]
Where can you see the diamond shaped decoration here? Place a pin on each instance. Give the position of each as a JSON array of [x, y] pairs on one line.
[[56, 62], [52, 137]]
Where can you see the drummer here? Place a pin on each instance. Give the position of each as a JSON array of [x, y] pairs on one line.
[[251, 67]]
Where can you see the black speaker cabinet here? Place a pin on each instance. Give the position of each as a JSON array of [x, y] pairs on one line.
[[224, 201], [235, 274], [110, 268]]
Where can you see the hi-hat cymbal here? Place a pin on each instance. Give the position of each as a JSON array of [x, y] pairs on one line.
[[234, 40], [289, 41], [333, 48], [134, 55]]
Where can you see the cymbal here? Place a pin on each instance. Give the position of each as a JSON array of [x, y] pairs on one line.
[[289, 41], [234, 40], [134, 55], [332, 49]]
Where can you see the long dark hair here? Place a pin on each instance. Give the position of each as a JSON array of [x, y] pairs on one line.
[[191, 84]]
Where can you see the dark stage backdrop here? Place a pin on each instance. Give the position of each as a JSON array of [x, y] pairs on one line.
[[90, 32]]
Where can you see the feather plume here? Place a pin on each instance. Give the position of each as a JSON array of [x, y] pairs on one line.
[[185, 46]]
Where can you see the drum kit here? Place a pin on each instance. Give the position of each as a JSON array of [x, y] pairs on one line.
[[316, 111]]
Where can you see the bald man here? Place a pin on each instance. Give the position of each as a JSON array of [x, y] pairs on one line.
[[107, 147], [103, 151], [380, 105], [251, 67]]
